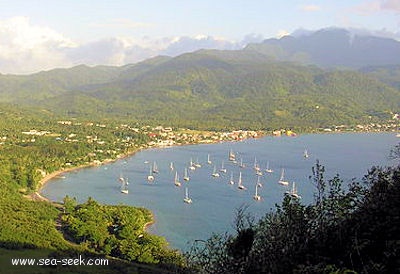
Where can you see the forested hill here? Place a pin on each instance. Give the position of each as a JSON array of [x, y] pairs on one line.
[[209, 89]]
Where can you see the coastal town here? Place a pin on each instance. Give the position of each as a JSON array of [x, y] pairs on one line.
[[122, 139]]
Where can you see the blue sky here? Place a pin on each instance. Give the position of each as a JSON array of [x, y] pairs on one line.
[[62, 33]]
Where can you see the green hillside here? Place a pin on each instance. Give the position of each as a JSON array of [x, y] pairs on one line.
[[209, 89], [387, 74], [32, 228]]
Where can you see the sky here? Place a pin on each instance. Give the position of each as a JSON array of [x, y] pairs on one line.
[[37, 35]]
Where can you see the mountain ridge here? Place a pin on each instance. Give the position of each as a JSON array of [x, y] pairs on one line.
[[332, 48], [214, 89]]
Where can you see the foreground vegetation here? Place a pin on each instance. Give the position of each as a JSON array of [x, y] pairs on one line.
[[343, 230], [41, 229], [354, 231], [118, 231]]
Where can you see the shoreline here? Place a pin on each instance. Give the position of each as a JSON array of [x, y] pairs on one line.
[[36, 196]]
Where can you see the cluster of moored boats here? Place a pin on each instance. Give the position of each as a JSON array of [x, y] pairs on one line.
[[153, 171]]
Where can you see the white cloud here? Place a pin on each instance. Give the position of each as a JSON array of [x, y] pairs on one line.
[[25, 48], [282, 33], [251, 38], [113, 51], [188, 44], [311, 8]]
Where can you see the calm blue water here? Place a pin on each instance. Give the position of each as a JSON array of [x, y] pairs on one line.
[[214, 200]]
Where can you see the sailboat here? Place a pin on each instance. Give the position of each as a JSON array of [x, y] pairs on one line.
[[121, 178], [256, 196], [215, 173], [258, 182], [176, 180], [223, 170], [155, 168], [232, 156], [282, 179], [124, 185], [256, 167], [150, 177], [187, 199], [305, 153], [231, 180], [268, 169], [240, 186], [242, 165], [171, 166], [293, 192], [191, 165], [197, 163], [186, 176], [208, 159]]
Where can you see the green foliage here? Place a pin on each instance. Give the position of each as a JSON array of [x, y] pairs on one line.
[[24, 223], [388, 74], [33, 225], [118, 231], [354, 231], [209, 90]]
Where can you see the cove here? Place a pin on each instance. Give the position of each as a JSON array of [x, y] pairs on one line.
[[215, 200]]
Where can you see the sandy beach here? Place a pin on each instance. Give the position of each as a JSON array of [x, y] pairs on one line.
[[36, 196]]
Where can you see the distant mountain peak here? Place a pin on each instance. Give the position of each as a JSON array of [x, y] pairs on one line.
[[332, 47]]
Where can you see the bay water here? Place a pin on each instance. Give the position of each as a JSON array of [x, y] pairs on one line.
[[215, 200]]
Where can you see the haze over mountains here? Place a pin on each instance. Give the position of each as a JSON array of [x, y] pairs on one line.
[[332, 48], [277, 83]]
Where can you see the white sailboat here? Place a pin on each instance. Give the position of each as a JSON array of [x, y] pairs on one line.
[[187, 199], [305, 153], [176, 180], [282, 179], [223, 170], [124, 185], [293, 192], [121, 178], [231, 180], [258, 182], [256, 196], [171, 166], [208, 159], [232, 156], [240, 185], [155, 168], [191, 165], [268, 169], [215, 173], [186, 176], [197, 163], [242, 165], [150, 177], [256, 167]]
